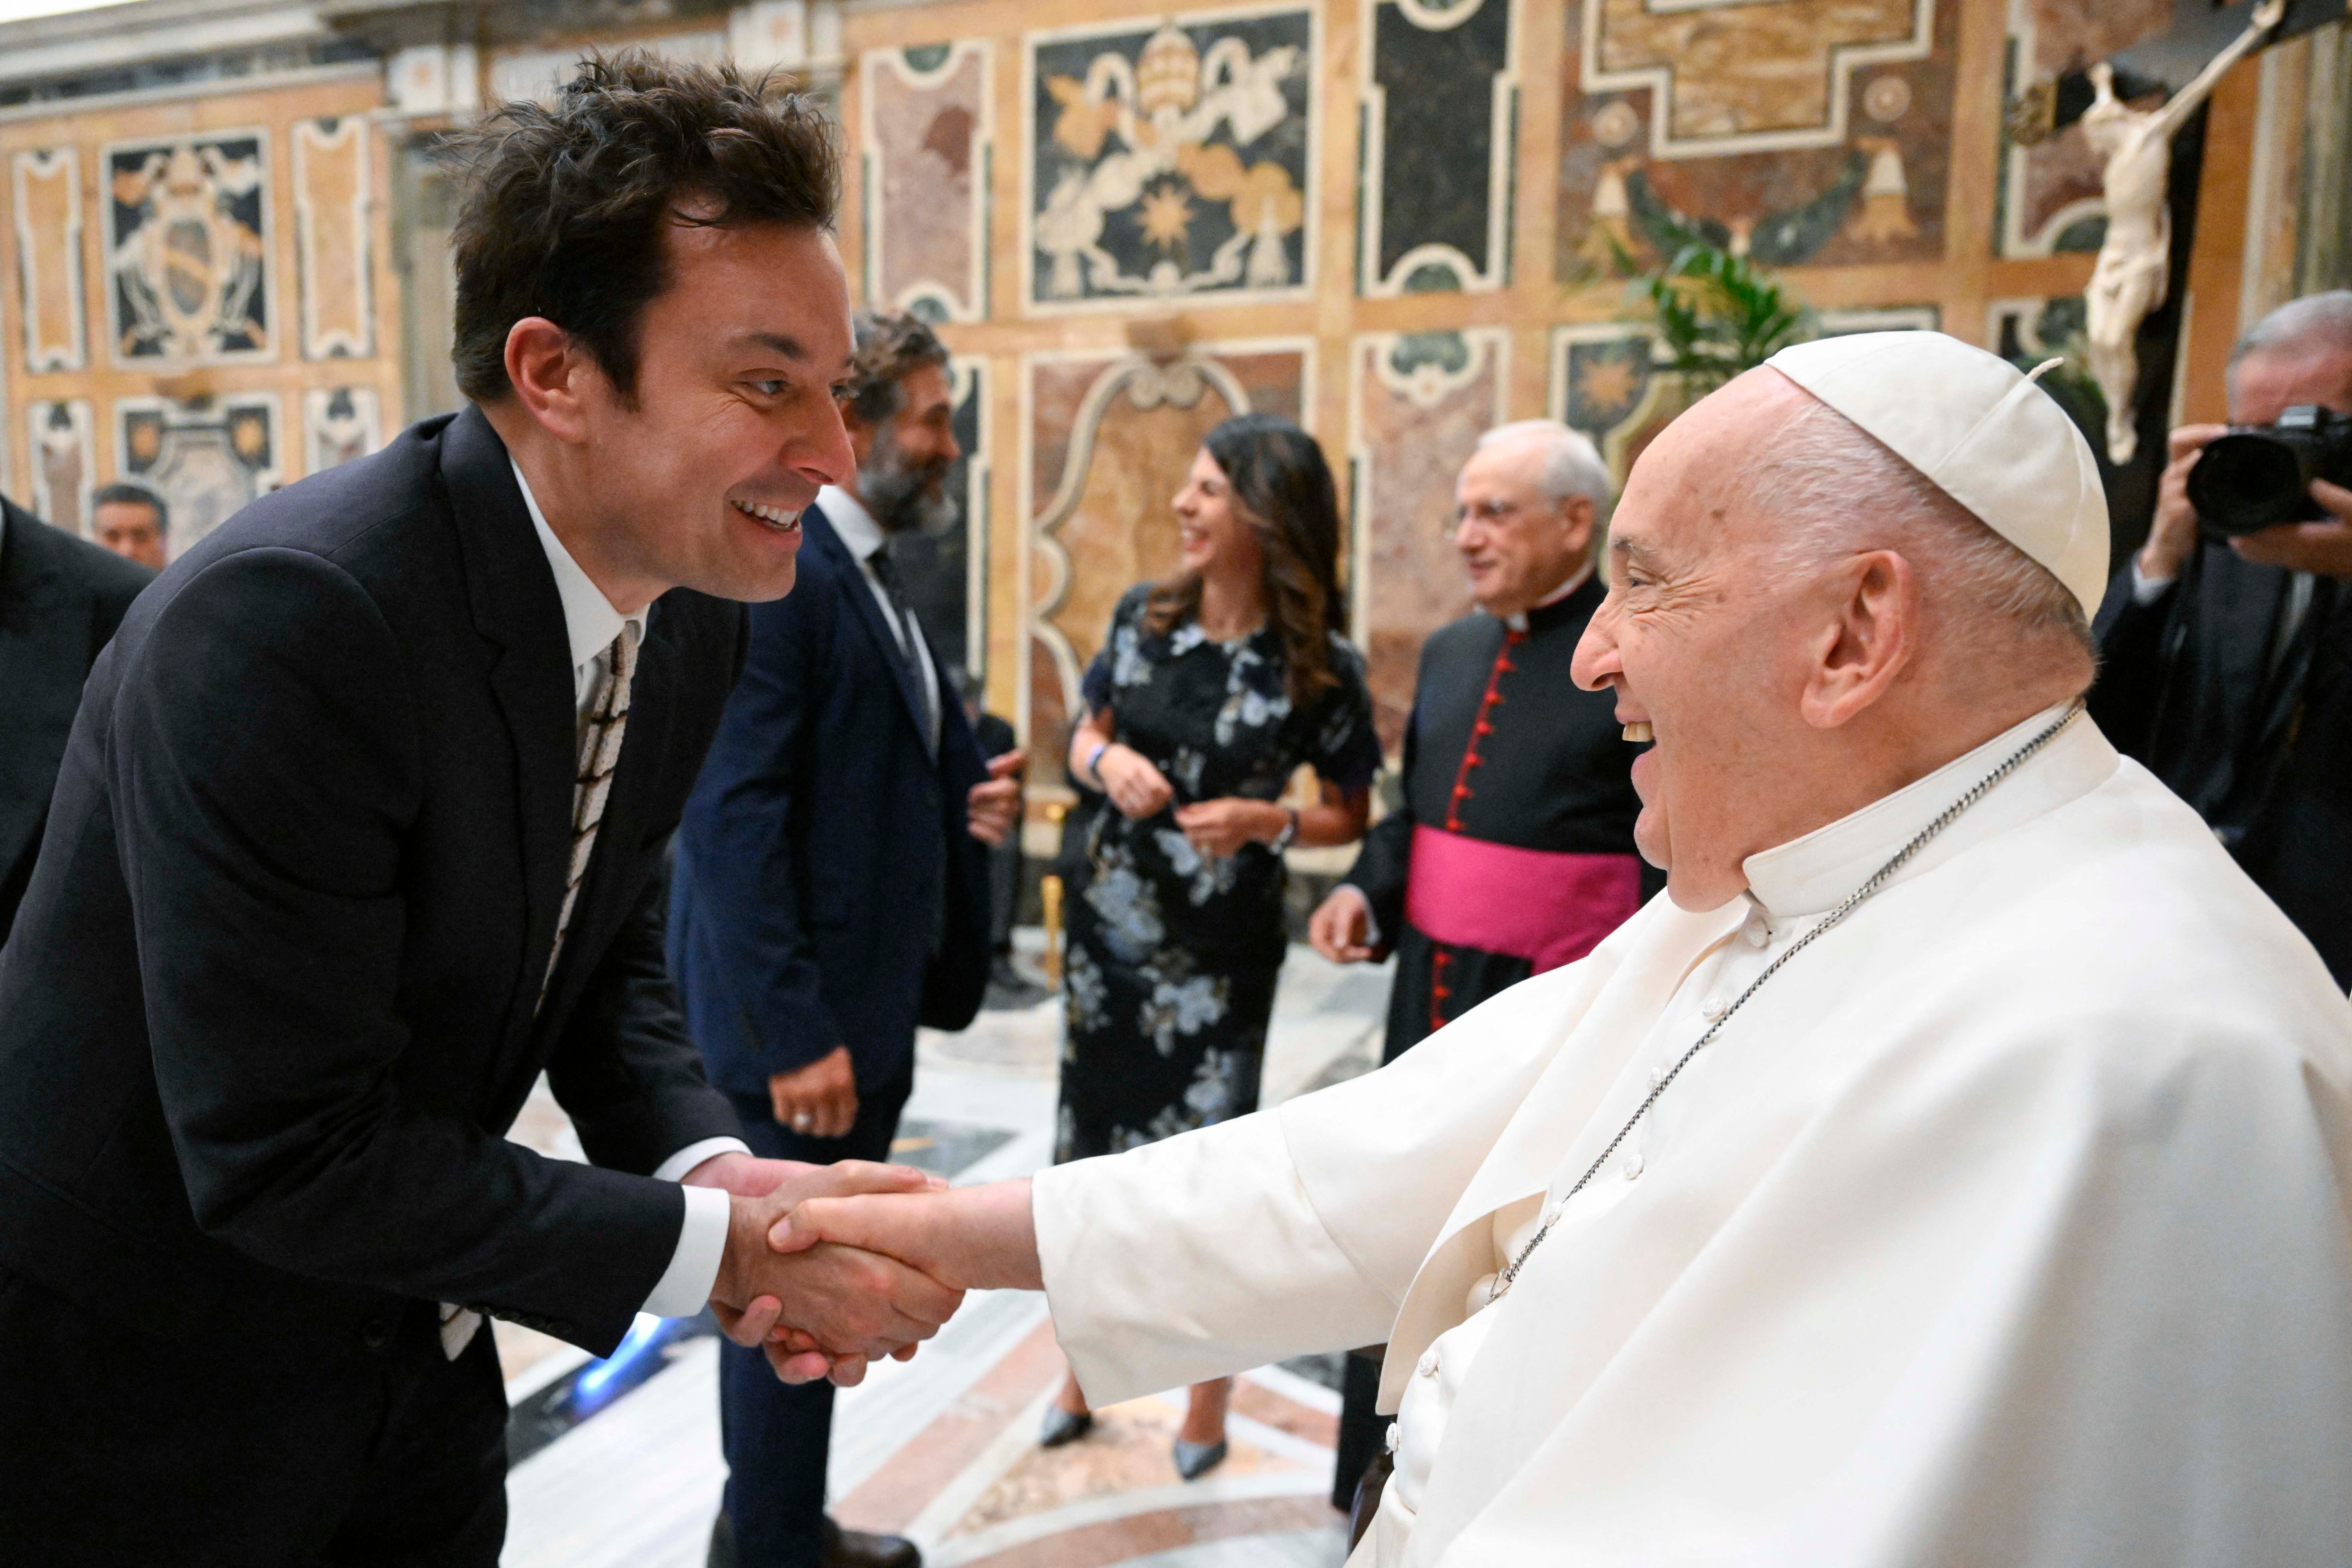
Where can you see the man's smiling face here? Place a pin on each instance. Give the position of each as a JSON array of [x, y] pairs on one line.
[[699, 479], [1698, 639]]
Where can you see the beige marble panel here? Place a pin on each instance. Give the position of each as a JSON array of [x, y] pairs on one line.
[[46, 190], [331, 232]]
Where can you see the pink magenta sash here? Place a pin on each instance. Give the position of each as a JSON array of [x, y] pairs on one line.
[[1545, 907]]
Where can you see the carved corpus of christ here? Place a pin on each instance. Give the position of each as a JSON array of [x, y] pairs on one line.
[[2131, 277]]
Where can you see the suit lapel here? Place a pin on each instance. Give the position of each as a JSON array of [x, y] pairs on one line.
[[515, 605], [45, 622], [868, 614]]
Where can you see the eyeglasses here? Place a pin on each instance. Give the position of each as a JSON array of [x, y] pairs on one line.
[[1486, 514]]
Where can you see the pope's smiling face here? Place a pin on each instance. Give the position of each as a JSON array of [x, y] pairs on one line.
[[1701, 638]]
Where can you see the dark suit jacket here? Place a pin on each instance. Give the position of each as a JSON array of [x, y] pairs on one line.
[[821, 846], [60, 599], [270, 1005], [2186, 687]]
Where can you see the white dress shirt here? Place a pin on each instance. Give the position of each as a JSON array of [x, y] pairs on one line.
[[590, 623], [864, 538]]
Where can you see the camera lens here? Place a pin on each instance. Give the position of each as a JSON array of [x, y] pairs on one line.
[[2248, 480]]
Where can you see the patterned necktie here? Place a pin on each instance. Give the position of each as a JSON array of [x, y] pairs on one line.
[[886, 574], [591, 783]]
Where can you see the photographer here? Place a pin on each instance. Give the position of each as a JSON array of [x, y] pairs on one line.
[[2227, 666]]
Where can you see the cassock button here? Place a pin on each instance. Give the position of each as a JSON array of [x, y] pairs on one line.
[[1714, 1007], [1427, 1365], [1392, 1437], [1632, 1167], [1758, 931]]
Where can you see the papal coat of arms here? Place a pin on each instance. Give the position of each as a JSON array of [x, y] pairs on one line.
[[186, 249], [1172, 161]]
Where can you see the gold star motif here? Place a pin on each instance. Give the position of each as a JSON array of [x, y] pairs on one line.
[[1606, 383], [1167, 217]]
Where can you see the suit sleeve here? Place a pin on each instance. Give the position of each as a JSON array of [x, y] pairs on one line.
[[264, 763], [624, 1070], [1386, 857], [2131, 637], [754, 970]]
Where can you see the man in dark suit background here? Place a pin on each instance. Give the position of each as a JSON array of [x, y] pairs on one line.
[[358, 829], [831, 889], [2226, 667], [60, 599]]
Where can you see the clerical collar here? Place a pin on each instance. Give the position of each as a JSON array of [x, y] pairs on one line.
[[860, 534], [1809, 875], [1559, 596]]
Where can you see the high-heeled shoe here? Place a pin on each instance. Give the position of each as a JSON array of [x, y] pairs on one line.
[[1062, 1426], [1194, 1461]]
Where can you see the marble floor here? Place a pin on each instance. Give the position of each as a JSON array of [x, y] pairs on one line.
[[619, 1462]]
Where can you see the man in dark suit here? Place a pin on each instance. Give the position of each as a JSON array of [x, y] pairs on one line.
[[60, 599], [2226, 667], [831, 889], [357, 831]]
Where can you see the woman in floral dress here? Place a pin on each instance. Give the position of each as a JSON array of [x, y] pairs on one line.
[[1211, 689]]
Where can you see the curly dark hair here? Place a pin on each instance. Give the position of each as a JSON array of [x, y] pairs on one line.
[[1283, 488], [889, 345], [562, 209]]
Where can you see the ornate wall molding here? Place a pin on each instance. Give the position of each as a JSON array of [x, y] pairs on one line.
[[930, 145], [45, 189], [1427, 220], [333, 246]]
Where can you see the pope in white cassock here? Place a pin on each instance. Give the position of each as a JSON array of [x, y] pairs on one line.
[[1951, 1169]]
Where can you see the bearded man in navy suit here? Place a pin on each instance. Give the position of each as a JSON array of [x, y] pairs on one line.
[[831, 889]]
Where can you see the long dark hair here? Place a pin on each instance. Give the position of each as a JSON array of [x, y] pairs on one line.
[[1283, 489]]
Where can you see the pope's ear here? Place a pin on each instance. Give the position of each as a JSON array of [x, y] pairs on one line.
[[1873, 635]]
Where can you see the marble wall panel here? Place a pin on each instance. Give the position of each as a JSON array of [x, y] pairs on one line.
[[1437, 173], [929, 142], [59, 437], [207, 459], [1802, 132], [44, 194], [1419, 402], [1602, 383], [1110, 438], [1171, 162], [332, 240], [188, 250], [339, 424]]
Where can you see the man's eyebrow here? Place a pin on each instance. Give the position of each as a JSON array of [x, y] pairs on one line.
[[779, 343]]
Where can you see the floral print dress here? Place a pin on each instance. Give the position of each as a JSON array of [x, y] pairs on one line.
[[1172, 955]]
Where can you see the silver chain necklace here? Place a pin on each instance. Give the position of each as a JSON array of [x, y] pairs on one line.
[[1853, 900]]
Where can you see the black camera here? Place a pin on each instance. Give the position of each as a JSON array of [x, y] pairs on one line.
[[2258, 475]]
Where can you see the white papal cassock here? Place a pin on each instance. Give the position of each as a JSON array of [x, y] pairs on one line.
[[2007, 1225]]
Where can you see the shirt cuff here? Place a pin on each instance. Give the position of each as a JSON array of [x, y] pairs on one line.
[[2146, 591], [693, 1268], [1371, 920], [676, 1167]]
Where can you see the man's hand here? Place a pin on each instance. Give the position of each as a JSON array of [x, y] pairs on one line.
[[2173, 535], [1341, 927], [1221, 827], [2322, 547], [827, 1310], [746, 1176], [820, 1099], [1137, 787], [992, 808], [966, 1238]]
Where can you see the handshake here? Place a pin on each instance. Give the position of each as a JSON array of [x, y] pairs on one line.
[[829, 1267]]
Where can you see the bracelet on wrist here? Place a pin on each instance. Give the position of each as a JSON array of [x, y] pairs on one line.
[[1094, 761], [1283, 840]]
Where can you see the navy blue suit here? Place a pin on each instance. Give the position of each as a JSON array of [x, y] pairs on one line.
[[827, 892]]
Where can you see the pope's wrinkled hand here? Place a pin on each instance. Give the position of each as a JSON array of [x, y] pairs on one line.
[[843, 1304]]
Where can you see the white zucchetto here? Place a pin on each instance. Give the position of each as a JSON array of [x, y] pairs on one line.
[[1983, 432]]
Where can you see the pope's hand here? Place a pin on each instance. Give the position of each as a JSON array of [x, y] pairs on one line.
[[849, 1305]]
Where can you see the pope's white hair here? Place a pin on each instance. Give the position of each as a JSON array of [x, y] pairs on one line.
[[1833, 489], [1570, 464]]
